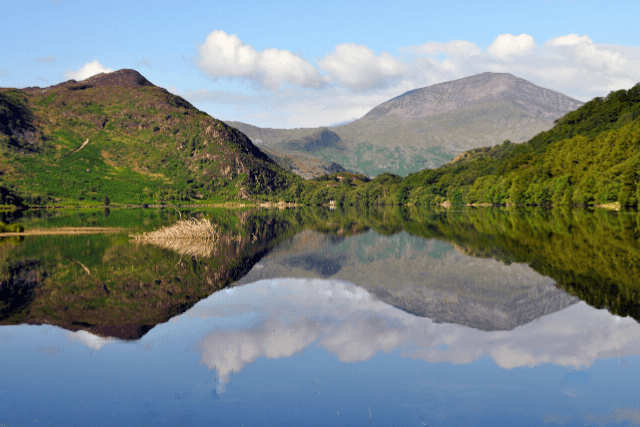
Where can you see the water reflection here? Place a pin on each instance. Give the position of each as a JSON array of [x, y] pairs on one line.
[[289, 315], [490, 269], [426, 277]]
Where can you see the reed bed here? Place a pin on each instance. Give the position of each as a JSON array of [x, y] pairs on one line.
[[195, 237]]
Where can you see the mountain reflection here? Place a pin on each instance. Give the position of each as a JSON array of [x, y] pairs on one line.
[[426, 277], [490, 269], [289, 315]]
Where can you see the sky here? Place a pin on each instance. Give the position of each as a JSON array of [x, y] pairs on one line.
[[285, 64]]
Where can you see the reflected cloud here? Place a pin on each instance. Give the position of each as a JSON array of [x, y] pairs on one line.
[[88, 339], [292, 314], [617, 415]]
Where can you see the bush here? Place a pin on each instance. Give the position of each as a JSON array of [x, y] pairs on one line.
[[11, 228]]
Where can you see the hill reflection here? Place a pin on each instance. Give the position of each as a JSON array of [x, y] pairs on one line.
[[492, 269]]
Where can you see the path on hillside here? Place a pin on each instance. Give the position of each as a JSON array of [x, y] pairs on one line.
[[82, 146]]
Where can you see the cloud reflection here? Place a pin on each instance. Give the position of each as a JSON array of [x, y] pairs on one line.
[[351, 323], [90, 340]]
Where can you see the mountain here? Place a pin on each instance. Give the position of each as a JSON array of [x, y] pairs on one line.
[[482, 88], [590, 157], [425, 128], [117, 135]]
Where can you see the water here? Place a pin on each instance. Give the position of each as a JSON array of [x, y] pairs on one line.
[[320, 318]]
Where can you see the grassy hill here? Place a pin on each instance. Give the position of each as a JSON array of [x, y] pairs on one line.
[[116, 135]]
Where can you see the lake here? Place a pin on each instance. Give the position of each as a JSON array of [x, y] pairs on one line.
[[398, 317]]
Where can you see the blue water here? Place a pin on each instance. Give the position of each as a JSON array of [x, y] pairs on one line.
[[292, 352]]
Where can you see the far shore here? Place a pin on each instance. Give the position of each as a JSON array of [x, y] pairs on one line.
[[65, 230]]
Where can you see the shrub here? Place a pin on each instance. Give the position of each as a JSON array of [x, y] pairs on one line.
[[11, 228]]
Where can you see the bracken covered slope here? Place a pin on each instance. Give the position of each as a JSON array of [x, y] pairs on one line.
[[117, 135]]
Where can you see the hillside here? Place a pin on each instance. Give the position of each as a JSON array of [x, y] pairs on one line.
[[591, 156], [428, 127], [117, 135], [302, 164]]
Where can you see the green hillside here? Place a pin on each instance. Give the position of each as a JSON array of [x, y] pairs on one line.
[[118, 136], [591, 156]]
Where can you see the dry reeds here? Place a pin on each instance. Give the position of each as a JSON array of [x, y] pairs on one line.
[[195, 237]]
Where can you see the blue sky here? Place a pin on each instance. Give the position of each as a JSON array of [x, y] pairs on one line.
[[291, 64]]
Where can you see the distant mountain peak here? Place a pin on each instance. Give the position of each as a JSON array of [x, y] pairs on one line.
[[486, 87]]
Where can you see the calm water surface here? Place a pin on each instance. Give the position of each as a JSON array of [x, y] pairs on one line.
[[325, 318]]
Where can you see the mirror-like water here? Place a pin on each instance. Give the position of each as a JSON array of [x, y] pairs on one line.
[[312, 317]]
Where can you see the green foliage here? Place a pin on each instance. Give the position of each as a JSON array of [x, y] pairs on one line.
[[11, 228]]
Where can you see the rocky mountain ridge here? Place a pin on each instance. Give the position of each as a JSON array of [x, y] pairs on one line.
[[427, 127]]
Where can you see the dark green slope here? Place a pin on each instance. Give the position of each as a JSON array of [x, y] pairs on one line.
[[117, 135], [591, 156]]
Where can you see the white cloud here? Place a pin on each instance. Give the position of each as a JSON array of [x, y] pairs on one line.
[[290, 107], [224, 55], [570, 40], [616, 416], [507, 45], [571, 64], [3, 73], [87, 70], [596, 58], [358, 67]]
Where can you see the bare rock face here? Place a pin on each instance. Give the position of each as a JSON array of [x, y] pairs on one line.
[[485, 87]]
